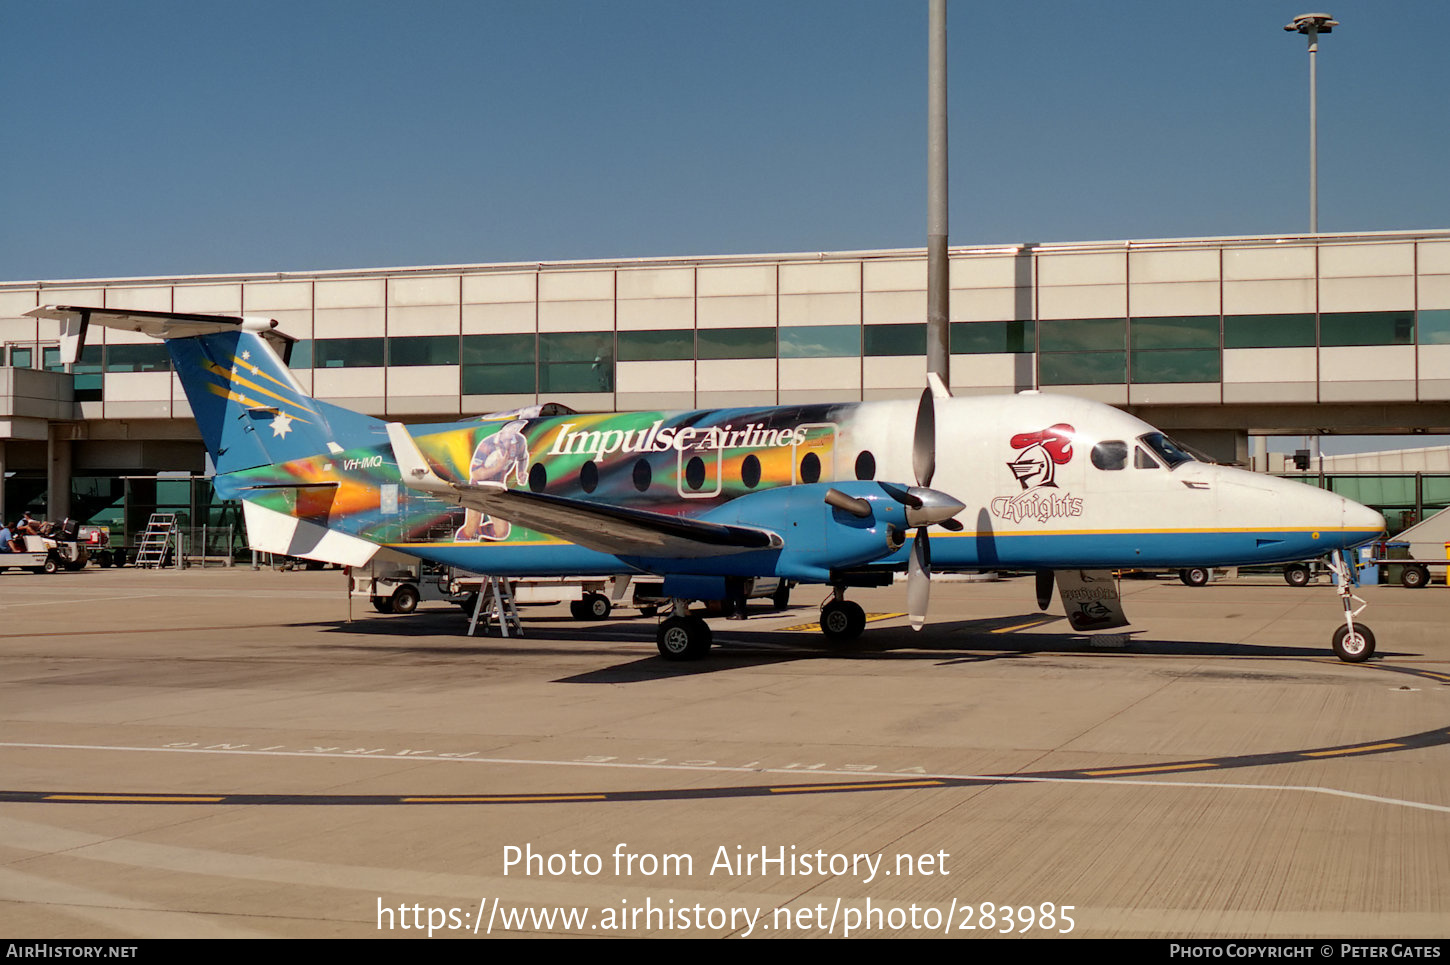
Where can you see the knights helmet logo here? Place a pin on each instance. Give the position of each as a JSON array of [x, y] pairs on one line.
[[1042, 452]]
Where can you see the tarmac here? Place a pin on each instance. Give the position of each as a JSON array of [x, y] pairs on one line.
[[221, 753]]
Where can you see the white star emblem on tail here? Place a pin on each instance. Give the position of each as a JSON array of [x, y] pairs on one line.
[[282, 425]]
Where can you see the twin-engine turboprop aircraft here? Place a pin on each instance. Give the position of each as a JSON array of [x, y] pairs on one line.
[[841, 494]]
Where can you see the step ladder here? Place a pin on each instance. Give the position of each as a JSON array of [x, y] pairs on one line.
[[160, 530], [496, 605]]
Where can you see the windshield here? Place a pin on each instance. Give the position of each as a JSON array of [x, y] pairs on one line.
[[1169, 451]]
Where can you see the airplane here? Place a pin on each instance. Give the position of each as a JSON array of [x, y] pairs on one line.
[[842, 494]]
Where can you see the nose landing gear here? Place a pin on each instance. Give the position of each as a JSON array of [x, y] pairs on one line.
[[1353, 642]]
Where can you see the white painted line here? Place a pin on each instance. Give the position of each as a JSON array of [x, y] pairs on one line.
[[856, 774]]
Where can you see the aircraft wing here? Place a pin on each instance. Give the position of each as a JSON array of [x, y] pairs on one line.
[[597, 526]]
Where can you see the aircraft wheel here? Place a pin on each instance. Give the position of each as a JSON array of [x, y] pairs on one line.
[[1296, 574], [683, 638], [382, 604], [405, 598], [597, 606], [842, 620], [1194, 576], [1356, 647], [1415, 577]]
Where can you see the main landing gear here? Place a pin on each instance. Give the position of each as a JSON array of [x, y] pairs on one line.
[[1353, 642], [681, 636], [841, 620]]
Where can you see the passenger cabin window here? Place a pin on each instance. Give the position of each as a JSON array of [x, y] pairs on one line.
[[642, 475], [750, 471], [1141, 459], [1112, 455]]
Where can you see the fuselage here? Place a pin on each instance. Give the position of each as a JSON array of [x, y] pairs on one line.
[[1049, 482]]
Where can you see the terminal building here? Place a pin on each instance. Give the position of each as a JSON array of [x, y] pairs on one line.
[[1215, 340]]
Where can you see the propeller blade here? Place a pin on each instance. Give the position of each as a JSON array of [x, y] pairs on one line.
[[918, 579], [1044, 589], [923, 445]]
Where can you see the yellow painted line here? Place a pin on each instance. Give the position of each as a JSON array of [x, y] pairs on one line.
[[870, 618], [852, 787], [1023, 626], [134, 798], [504, 799], [1149, 770], [1353, 750]]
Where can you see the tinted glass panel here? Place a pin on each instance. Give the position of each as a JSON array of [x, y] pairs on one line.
[[1184, 365], [137, 358], [894, 339], [1268, 331], [576, 377], [494, 349], [980, 338], [1082, 368], [301, 357], [820, 341], [656, 345], [423, 350], [498, 379], [576, 362], [1183, 332], [332, 353], [1082, 334], [20, 358], [1367, 328], [1435, 327], [736, 343]]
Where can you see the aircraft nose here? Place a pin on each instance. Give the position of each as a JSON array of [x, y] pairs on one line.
[[1360, 517]]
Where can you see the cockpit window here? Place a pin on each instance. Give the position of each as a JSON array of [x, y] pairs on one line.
[[1169, 451], [1111, 455], [1141, 459]]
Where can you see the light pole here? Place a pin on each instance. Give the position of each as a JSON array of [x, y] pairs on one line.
[[1312, 25]]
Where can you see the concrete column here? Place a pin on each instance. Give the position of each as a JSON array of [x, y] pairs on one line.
[[2, 481], [57, 471]]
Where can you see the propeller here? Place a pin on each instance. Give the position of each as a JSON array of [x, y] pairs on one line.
[[931, 507]]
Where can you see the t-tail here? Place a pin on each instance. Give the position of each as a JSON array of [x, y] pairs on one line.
[[248, 405]]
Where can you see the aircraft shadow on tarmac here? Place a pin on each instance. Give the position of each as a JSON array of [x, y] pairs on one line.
[[738, 645]]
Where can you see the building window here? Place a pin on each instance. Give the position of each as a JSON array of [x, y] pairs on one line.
[[576, 362], [1178, 365], [1367, 328], [735, 343], [1082, 368], [423, 350], [1268, 331], [347, 353], [820, 341], [879, 340], [658, 345], [993, 338], [1082, 351], [135, 358], [498, 365], [88, 371], [1434, 327]]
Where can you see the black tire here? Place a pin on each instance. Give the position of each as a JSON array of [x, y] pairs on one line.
[[1195, 576], [1297, 574], [842, 620], [468, 603], [597, 606], [51, 566], [382, 604], [1415, 578], [104, 559], [683, 638], [577, 610], [648, 610], [405, 598], [780, 599], [1354, 649]]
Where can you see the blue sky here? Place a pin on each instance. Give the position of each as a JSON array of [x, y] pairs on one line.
[[154, 137]]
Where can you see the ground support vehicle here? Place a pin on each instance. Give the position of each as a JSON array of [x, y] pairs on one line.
[[45, 555]]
